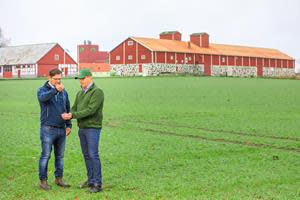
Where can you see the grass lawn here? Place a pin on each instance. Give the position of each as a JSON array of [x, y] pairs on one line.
[[165, 138]]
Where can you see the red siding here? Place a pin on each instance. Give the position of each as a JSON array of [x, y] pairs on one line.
[[171, 36], [64, 58], [278, 63], [231, 60], [146, 52], [286, 63], [130, 51], [215, 60], [290, 64], [48, 61], [246, 61], [266, 62], [189, 58], [205, 40], [259, 67], [272, 63], [180, 58], [91, 54], [201, 40], [223, 60], [252, 61], [199, 59], [170, 57], [118, 51], [160, 57], [238, 61], [207, 65]]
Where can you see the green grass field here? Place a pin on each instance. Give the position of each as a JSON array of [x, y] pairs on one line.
[[165, 138]]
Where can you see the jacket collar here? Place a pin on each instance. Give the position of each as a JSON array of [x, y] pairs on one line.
[[89, 88]]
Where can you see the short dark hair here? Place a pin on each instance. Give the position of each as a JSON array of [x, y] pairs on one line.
[[53, 72]]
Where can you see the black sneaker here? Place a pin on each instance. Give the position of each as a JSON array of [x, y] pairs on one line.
[[95, 188]]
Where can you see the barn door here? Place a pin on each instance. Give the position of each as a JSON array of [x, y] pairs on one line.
[[66, 71], [7, 72]]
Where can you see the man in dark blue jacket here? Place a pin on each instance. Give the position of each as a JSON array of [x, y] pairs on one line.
[[54, 101]]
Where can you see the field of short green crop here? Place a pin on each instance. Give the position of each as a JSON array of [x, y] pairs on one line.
[[165, 138]]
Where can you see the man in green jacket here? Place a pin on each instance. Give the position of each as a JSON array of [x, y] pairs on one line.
[[87, 109]]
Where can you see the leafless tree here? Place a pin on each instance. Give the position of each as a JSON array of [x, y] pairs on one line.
[[3, 41]]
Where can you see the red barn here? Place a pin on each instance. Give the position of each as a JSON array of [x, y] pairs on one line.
[[90, 57], [29, 61], [148, 56]]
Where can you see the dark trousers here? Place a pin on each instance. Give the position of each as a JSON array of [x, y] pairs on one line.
[[89, 141]]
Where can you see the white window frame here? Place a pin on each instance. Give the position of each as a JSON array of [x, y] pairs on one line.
[[143, 57], [56, 57], [129, 42], [118, 57], [130, 57]]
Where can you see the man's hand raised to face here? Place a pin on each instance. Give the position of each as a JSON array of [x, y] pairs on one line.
[[59, 87]]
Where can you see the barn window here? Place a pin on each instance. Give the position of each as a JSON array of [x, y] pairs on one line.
[[93, 49], [56, 57], [171, 57], [118, 58], [223, 59], [190, 58], [130, 43], [129, 57], [143, 57], [186, 60], [81, 49], [7, 69]]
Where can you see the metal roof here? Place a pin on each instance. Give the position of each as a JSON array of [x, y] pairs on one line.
[[25, 54], [163, 45]]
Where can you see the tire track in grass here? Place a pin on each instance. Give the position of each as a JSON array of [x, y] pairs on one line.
[[198, 137], [240, 133], [221, 131], [220, 140]]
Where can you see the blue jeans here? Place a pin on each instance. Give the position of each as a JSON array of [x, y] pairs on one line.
[[52, 136], [89, 142]]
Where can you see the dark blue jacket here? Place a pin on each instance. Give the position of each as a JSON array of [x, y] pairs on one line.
[[53, 104]]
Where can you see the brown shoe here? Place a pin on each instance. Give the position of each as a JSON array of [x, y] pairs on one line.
[[59, 182], [44, 185]]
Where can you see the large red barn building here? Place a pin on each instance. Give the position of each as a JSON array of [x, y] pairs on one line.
[[169, 54], [90, 57], [29, 61]]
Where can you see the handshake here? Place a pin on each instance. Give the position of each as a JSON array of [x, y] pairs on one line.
[[66, 116]]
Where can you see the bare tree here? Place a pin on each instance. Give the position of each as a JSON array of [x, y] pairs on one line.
[[3, 41]]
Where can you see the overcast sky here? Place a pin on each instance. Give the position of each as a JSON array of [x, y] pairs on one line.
[[260, 23]]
